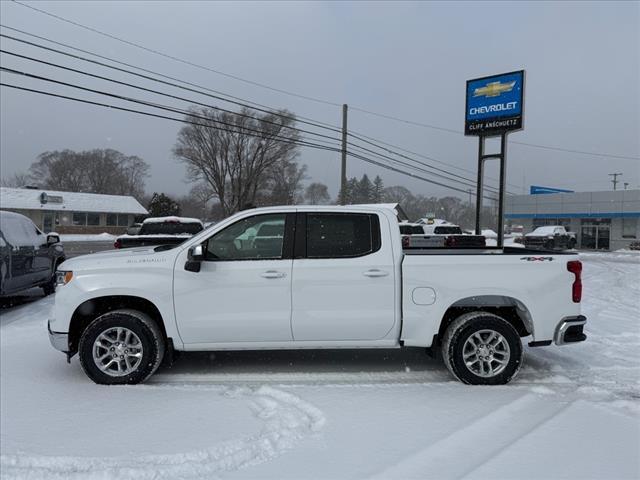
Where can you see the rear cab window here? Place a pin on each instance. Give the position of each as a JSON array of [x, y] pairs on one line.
[[341, 235]]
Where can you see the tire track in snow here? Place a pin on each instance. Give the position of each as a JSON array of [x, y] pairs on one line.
[[477, 442], [288, 419]]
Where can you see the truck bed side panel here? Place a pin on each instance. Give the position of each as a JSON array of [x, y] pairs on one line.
[[433, 283]]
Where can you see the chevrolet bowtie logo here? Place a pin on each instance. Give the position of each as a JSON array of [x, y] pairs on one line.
[[493, 89]]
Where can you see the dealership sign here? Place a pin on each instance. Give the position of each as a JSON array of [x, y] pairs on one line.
[[494, 104]]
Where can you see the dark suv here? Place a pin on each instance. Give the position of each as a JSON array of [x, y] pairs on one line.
[[28, 257]]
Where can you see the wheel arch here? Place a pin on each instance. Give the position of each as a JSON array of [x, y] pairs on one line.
[[90, 309], [511, 309]]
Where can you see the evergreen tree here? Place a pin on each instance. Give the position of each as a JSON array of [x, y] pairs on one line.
[[163, 206], [378, 188], [364, 190]]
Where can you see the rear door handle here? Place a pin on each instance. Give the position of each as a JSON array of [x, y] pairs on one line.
[[273, 274], [374, 272]]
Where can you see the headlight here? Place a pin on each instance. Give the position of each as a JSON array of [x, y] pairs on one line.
[[550, 237], [62, 278]]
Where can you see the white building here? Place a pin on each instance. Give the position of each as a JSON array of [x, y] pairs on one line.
[[71, 212], [607, 220]]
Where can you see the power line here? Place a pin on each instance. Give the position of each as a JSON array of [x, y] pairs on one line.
[[297, 95], [193, 101], [181, 120], [305, 97], [218, 95], [467, 183], [157, 92], [378, 142], [239, 128], [526, 144], [178, 59]]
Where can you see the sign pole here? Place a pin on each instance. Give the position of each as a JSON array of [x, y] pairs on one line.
[[494, 106], [480, 182], [503, 176]]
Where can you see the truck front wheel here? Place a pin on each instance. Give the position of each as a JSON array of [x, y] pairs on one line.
[[121, 347], [480, 348]]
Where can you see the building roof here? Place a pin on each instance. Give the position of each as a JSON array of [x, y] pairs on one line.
[[28, 199]]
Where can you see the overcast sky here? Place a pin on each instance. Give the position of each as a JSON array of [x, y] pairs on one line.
[[407, 60]]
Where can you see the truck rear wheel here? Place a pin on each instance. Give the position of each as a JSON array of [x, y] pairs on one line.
[[121, 347], [480, 348]]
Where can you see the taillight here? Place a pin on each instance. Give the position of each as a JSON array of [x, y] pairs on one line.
[[117, 243], [405, 242], [575, 267], [450, 241]]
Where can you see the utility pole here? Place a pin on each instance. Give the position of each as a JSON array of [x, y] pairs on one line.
[[470, 190], [615, 179], [343, 175]]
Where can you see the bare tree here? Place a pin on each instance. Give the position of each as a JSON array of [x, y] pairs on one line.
[[95, 171], [317, 194], [284, 184], [17, 180], [234, 154]]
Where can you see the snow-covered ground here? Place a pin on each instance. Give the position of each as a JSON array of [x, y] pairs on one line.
[[573, 412]]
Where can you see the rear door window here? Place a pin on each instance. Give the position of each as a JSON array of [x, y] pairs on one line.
[[338, 235]]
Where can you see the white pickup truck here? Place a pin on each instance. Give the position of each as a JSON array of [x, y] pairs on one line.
[[313, 277]]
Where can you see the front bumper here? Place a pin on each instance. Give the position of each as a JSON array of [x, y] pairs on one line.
[[570, 330], [59, 341]]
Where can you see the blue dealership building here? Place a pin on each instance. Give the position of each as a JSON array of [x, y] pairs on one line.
[[608, 220]]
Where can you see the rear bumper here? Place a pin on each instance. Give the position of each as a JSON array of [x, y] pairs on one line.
[[59, 341], [570, 330]]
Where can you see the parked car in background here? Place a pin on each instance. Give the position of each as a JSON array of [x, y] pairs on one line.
[[134, 229], [28, 257], [161, 231], [550, 237], [442, 233], [413, 236]]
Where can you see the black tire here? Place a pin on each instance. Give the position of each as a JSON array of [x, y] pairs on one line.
[[151, 339], [464, 327], [50, 287]]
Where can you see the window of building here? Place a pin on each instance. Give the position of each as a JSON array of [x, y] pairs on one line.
[[123, 220], [118, 219], [79, 218], [331, 235], [93, 219], [629, 227]]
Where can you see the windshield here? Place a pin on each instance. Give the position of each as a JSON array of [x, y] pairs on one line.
[[169, 228]]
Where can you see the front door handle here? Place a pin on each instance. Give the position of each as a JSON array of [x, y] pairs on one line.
[[273, 274], [374, 272]]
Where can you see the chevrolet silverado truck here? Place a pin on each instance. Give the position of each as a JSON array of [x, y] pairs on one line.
[[551, 237], [315, 278]]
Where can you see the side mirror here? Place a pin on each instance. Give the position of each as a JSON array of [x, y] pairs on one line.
[[53, 238], [195, 255]]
